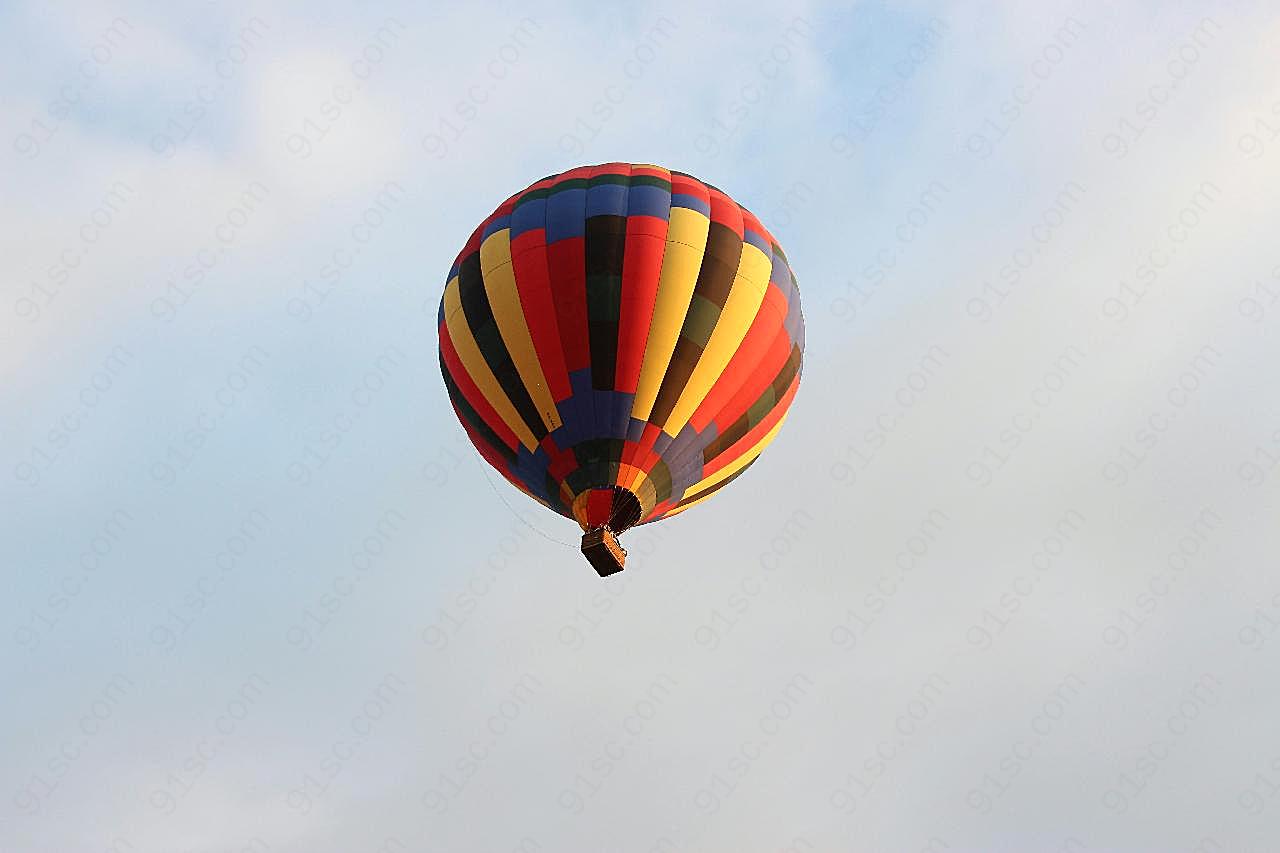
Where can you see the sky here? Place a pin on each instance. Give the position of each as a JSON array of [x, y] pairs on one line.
[[1006, 581]]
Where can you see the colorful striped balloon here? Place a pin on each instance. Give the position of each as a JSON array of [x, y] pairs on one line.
[[621, 341]]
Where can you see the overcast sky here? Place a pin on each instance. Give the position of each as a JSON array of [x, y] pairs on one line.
[[1006, 580]]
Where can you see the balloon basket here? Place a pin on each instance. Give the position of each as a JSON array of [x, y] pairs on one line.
[[601, 548]]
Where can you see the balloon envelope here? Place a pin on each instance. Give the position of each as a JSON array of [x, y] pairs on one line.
[[621, 341]]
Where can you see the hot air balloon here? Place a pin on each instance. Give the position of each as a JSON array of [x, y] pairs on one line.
[[620, 342]]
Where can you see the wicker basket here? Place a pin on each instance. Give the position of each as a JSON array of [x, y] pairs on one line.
[[601, 548]]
